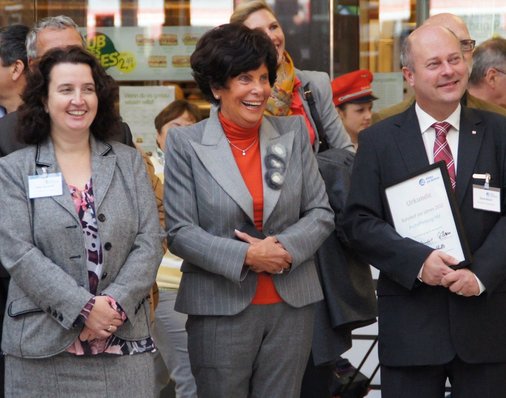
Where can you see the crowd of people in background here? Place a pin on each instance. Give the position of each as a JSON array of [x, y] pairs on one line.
[[234, 259]]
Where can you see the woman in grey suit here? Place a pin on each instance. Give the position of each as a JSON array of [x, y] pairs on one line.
[[80, 239], [289, 95], [246, 210]]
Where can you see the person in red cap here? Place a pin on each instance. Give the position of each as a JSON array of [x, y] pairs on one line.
[[353, 97]]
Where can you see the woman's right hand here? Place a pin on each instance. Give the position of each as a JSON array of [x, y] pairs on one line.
[[265, 255], [102, 321]]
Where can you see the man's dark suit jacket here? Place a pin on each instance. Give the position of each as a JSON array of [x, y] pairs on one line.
[[420, 324]]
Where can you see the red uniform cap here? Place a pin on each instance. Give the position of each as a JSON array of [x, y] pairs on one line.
[[353, 87]]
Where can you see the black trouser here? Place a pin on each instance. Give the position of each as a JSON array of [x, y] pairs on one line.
[[317, 380]]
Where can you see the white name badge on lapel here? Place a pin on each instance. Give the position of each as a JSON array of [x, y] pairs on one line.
[[487, 199], [484, 197], [44, 185]]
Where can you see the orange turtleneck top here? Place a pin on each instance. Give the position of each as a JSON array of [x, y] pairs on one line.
[[250, 167]]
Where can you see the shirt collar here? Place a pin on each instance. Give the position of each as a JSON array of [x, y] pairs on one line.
[[426, 121]]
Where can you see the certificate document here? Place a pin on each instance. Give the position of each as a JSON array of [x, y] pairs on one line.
[[423, 208]]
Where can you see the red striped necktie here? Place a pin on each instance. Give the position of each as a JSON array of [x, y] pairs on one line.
[[442, 150]]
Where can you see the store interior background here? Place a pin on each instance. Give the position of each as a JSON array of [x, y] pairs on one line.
[[336, 36]]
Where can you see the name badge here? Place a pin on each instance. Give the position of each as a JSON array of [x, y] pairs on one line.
[[44, 185], [488, 199]]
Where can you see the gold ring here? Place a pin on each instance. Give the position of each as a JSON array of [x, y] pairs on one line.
[[109, 328]]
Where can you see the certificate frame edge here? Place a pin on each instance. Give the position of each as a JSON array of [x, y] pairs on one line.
[[451, 200]]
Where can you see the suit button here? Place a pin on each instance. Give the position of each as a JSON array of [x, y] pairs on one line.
[[107, 246], [104, 275], [101, 217]]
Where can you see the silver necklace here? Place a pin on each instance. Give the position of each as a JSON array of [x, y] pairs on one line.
[[245, 149]]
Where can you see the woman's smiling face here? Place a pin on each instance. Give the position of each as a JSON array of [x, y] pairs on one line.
[[71, 99], [264, 20], [244, 98]]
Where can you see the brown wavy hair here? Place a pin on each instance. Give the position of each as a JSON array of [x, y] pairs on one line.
[[34, 123]]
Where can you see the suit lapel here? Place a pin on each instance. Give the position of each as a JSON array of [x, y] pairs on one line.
[[215, 154], [45, 159], [470, 139], [409, 140], [268, 137]]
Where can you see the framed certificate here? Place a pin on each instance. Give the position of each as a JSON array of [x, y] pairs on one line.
[[423, 208]]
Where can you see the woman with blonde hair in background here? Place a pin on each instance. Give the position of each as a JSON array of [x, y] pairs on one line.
[[296, 92]]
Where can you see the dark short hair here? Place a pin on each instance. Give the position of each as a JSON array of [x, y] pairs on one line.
[[12, 44], [174, 110], [34, 124], [226, 52]]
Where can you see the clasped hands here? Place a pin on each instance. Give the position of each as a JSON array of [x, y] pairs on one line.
[[265, 255], [102, 321], [437, 272]]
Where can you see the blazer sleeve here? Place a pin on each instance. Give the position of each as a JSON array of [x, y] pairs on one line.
[[138, 272], [216, 254], [316, 220], [157, 186], [43, 281], [489, 259]]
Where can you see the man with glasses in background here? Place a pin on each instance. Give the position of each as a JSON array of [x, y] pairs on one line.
[[459, 28], [488, 78]]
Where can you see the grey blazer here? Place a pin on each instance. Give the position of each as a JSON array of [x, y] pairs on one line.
[[206, 199], [43, 248], [319, 84]]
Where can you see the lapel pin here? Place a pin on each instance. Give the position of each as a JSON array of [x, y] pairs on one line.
[[473, 132]]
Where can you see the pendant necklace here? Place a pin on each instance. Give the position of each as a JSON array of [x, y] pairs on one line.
[[245, 149]]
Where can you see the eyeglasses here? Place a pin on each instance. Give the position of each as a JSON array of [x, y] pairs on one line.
[[499, 70], [467, 45]]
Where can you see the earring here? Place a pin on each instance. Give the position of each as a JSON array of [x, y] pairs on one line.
[[217, 97]]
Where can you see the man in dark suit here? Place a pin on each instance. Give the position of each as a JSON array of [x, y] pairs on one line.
[[435, 322]]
